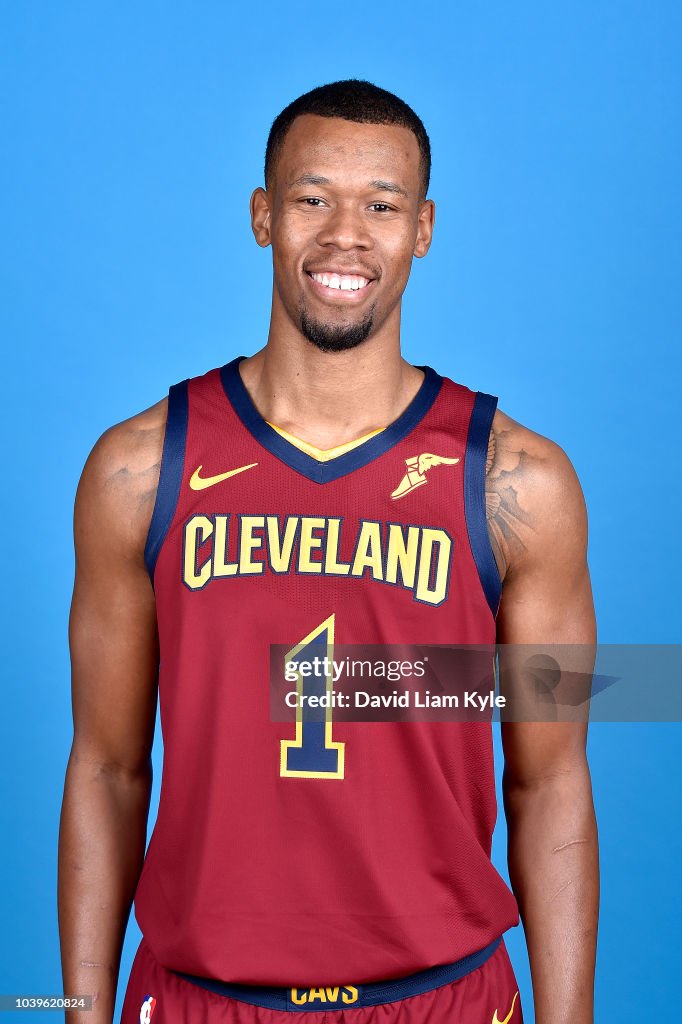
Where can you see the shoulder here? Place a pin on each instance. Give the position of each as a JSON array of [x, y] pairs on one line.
[[117, 488], [533, 495]]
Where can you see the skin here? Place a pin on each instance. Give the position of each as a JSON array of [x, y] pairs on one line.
[[536, 522]]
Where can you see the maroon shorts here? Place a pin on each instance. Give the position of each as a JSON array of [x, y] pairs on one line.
[[487, 994]]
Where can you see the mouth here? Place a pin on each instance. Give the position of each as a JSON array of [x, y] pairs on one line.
[[340, 287]]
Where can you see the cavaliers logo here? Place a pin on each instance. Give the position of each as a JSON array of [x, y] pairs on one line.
[[417, 468], [335, 997]]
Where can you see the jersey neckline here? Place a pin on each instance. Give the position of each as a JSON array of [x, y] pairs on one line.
[[340, 465]]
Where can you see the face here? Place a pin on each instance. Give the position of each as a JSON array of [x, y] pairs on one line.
[[344, 218]]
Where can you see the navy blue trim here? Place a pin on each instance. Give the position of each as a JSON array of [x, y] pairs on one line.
[[474, 497], [372, 994], [170, 477], [323, 472]]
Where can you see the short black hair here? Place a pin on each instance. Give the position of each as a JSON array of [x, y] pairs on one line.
[[353, 99]]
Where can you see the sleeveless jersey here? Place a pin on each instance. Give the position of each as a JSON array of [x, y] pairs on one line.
[[363, 854]]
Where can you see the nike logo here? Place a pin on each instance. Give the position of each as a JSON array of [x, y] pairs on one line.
[[496, 1019], [199, 483]]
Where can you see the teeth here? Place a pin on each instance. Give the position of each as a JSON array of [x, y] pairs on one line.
[[345, 283]]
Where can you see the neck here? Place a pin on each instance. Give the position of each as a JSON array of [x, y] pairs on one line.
[[330, 398]]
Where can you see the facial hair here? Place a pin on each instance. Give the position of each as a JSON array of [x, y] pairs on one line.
[[335, 337]]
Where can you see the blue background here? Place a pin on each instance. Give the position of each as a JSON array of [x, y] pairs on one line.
[[133, 135]]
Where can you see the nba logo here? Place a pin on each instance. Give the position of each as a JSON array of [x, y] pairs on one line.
[[147, 1009]]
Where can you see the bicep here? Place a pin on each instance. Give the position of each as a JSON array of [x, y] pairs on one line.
[[112, 630], [547, 613]]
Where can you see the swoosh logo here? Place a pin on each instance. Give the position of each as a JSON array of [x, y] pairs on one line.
[[496, 1019], [199, 483]]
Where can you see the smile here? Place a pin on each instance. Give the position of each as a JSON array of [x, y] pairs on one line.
[[345, 283], [344, 286]]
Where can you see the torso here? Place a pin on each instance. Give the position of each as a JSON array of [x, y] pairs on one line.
[[365, 852]]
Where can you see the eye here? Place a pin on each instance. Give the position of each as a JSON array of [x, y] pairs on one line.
[[384, 206], [311, 200]]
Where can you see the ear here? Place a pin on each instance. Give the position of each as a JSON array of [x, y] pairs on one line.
[[425, 225], [260, 216]]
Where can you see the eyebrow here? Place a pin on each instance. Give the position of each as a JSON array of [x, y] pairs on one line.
[[378, 185]]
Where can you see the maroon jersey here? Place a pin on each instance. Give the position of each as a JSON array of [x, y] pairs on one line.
[[361, 852]]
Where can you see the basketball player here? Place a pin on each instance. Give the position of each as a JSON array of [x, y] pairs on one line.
[[323, 491]]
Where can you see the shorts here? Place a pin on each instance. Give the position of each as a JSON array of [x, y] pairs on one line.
[[487, 994]]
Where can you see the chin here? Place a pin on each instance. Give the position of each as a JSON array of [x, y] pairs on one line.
[[335, 337]]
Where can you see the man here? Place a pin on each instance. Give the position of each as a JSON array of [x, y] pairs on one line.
[[323, 491]]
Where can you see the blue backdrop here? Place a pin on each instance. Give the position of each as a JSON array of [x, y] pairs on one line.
[[133, 135]]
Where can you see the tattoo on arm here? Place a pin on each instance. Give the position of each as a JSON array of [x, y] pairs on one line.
[[139, 476], [509, 526], [148, 497]]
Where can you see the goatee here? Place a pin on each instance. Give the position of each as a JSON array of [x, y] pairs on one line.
[[335, 337]]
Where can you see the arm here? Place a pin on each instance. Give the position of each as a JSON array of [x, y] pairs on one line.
[[114, 659], [538, 528]]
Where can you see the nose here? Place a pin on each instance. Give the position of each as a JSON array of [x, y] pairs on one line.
[[345, 228]]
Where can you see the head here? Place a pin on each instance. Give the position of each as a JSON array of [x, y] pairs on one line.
[[347, 170]]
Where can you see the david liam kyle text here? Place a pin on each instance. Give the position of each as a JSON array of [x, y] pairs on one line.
[[473, 700]]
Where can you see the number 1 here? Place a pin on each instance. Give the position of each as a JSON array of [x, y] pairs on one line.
[[313, 754]]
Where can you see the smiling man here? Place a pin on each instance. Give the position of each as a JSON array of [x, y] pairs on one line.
[[323, 491]]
